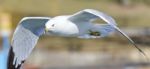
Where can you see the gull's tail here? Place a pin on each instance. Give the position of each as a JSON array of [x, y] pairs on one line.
[[10, 64]]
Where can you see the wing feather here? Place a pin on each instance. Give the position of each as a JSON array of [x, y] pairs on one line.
[[23, 43], [87, 15], [25, 38]]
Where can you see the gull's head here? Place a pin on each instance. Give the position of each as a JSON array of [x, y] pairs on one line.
[[50, 27], [55, 26]]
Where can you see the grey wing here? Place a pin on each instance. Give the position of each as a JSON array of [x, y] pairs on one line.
[[26, 36], [88, 15], [103, 29]]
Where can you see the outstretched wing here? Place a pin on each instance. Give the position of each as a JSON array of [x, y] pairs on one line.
[[88, 15], [24, 39]]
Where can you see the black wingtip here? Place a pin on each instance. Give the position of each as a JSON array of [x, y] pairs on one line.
[[10, 64], [142, 52], [132, 42]]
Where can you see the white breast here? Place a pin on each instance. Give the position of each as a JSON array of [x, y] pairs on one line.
[[68, 28], [64, 27]]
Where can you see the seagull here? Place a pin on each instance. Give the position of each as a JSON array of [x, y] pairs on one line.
[[78, 25]]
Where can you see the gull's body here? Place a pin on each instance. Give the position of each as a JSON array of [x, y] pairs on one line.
[[78, 25], [69, 29]]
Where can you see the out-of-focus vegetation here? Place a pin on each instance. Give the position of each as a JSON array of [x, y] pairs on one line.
[[134, 13]]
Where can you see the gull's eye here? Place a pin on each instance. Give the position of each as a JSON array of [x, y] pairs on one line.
[[53, 25]]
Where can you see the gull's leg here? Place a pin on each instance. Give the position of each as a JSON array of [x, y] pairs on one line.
[[91, 34]]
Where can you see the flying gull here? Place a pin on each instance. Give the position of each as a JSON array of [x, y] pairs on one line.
[[78, 25]]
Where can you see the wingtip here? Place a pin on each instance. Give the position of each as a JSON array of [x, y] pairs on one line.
[[142, 52], [10, 64], [132, 42]]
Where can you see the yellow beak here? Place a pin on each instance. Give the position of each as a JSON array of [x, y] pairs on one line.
[[46, 29]]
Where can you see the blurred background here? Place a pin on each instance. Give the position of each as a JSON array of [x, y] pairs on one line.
[[113, 52]]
